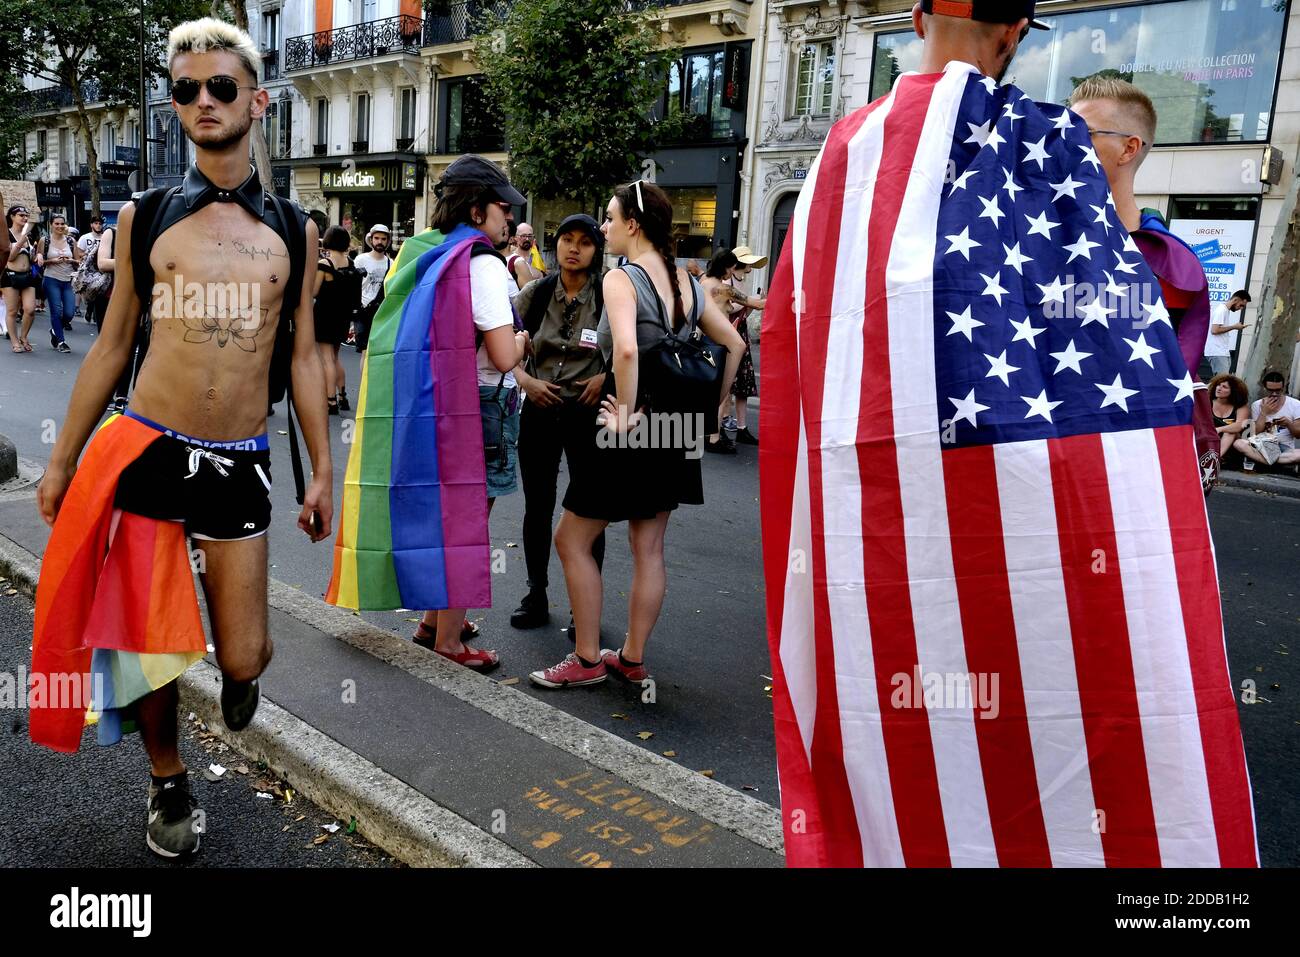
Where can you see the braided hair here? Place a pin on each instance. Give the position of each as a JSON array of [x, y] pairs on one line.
[[650, 207]]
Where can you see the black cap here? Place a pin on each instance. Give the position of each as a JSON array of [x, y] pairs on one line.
[[581, 222], [474, 170], [988, 11]]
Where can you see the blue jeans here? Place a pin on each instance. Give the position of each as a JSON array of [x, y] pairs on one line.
[[63, 303]]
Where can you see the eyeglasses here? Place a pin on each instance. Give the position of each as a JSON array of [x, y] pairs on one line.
[[505, 207], [1116, 133], [224, 88]]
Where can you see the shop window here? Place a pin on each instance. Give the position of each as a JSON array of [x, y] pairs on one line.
[[1209, 66], [814, 80], [695, 87], [695, 220], [471, 126]]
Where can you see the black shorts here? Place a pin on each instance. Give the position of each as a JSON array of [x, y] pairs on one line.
[[220, 494], [14, 279]]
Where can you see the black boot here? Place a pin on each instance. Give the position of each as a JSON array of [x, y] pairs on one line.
[[239, 702], [344, 405], [532, 612]]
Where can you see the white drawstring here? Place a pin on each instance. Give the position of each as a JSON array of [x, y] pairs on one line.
[[198, 455]]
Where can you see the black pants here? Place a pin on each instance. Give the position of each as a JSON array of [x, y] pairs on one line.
[[543, 435]]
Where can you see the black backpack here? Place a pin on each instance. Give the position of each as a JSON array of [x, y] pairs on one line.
[[157, 207]]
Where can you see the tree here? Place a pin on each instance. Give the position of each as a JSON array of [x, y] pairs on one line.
[[574, 82], [15, 123], [92, 47], [1277, 321]]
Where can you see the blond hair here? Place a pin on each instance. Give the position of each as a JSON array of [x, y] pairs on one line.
[[210, 35], [1132, 100]]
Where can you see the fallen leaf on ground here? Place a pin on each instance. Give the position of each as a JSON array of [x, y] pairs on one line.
[[670, 754], [322, 839], [300, 817], [286, 827], [707, 774], [508, 681], [412, 619], [645, 735], [621, 717], [242, 769]]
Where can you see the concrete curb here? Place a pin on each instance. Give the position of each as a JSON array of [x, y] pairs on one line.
[[390, 814], [1274, 484], [8, 459], [726, 807]]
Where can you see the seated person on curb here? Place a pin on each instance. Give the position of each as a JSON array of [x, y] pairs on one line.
[[1276, 422]]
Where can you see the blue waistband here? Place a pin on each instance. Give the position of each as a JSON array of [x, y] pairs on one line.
[[257, 443]]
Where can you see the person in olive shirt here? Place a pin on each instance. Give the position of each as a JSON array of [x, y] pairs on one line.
[[562, 383]]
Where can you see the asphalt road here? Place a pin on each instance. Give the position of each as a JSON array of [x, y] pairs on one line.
[[709, 651]]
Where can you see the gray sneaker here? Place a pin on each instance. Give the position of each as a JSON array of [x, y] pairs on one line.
[[175, 821]]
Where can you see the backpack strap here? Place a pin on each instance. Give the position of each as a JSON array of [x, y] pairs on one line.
[[294, 231], [149, 211]]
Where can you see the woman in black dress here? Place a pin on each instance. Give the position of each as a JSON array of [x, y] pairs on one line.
[[338, 299], [623, 480]]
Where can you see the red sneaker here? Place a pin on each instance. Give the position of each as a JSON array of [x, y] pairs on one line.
[[569, 672], [614, 664]]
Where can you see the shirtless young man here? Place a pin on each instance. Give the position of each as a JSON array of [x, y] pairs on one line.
[[206, 376]]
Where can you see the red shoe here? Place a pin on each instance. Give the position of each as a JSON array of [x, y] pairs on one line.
[[473, 658], [569, 672], [427, 637], [614, 664]]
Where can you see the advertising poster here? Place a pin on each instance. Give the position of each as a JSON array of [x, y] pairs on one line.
[[1223, 246]]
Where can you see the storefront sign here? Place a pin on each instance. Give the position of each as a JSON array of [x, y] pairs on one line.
[[127, 154], [280, 180], [1223, 247], [391, 178]]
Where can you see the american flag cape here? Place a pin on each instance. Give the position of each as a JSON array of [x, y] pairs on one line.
[[991, 594]]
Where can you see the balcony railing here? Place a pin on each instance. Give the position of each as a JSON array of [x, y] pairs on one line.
[[461, 20], [270, 64], [361, 146], [405, 143], [356, 42], [320, 149], [58, 97]]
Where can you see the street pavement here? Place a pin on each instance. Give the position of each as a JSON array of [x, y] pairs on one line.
[[709, 652]]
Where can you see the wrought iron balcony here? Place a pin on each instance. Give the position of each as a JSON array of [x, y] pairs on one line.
[[359, 41], [320, 149], [460, 21], [405, 143], [59, 97], [361, 146]]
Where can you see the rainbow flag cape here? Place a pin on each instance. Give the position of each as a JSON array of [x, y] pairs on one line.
[[117, 615], [413, 532]]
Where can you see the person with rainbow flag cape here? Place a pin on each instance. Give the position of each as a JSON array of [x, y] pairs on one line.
[[436, 421]]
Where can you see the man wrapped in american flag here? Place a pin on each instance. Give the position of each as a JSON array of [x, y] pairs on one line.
[[992, 601]]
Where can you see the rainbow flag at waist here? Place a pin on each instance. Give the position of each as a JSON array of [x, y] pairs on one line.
[[413, 531]]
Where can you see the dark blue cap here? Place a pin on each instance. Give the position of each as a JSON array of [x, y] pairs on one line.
[[988, 11], [581, 222]]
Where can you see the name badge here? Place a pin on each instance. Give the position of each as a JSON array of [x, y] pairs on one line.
[[588, 339]]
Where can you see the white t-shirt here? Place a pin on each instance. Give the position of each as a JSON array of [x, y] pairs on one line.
[[487, 288], [85, 239], [1290, 410], [1224, 342], [373, 270]]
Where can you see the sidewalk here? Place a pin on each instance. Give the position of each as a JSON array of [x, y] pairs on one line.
[[441, 766], [1283, 485]]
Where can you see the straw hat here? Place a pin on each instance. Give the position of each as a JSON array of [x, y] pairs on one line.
[[747, 257]]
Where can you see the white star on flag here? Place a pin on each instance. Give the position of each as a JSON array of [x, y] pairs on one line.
[[991, 210], [995, 140], [1130, 246], [993, 286], [1096, 312], [1083, 248], [1015, 259], [1041, 225], [1069, 359], [998, 366], [1064, 121], [960, 181], [967, 409], [1101, 216], [1122, 266], [1054, 291], [963, 323], [990, 84], [961, 243], [1037, 152], [1068, 187], [1156, 312], [1116, 394], [1026, 331], [1142, 350], [979, 134], [1010, 185], [1090, 156], [1184, 385], [1009, 113], [1112, 288], [1040, 406]]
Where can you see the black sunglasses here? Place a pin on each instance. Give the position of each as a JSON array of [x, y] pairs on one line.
[[224, 88]]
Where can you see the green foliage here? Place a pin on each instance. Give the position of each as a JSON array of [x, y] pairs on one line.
[[573, 82], [14, 126]]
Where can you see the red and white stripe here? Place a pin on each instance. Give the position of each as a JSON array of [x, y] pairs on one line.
[[1116, 739]]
